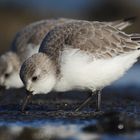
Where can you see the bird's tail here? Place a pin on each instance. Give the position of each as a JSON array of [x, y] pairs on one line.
[[135, 37], [122, 24]]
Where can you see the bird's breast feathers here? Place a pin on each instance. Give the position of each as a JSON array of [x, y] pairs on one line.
[[81, 70]]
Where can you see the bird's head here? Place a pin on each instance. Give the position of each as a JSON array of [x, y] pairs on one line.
[[9, 71], [38, 74]]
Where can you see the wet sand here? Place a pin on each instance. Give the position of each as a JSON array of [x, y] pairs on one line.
[[120, 115]]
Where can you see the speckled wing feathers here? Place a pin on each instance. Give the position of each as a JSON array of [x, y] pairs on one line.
[[33, 34], [24, 37], [41, 30], [104, 41], [99, 39]]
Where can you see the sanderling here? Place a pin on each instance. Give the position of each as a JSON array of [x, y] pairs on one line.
[[80, 55], [25, 44]]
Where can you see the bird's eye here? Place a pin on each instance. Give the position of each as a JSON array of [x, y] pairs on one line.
[[34, 78], [7, 75]]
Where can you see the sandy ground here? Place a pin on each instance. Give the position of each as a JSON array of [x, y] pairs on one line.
[[120, 113], [63, 105], [118, 107]]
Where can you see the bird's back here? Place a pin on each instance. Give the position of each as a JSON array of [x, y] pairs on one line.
[[99, 39], [28, 40]]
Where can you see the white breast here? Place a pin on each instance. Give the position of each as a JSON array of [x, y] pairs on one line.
[[80, 71]]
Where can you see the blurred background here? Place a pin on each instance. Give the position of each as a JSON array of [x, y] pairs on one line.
[[15, 14]]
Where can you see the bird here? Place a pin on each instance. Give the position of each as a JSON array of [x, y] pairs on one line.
[[81, 55], [25, 43]]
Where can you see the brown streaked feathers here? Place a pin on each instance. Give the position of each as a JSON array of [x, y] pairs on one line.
[[99, 39]]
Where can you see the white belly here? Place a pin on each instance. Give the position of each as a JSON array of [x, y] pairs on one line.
[[81, 71]]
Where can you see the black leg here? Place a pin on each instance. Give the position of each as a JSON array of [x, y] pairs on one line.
[[99, 100], [86, 101]]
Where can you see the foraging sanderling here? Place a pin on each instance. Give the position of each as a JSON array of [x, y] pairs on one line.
[[80, 55], [25, 44]]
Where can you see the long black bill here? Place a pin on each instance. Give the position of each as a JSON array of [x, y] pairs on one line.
[[25, 102]]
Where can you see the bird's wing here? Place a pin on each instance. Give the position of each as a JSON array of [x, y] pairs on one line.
[[21, 38], [40, 30], [122, 24], [97, 38], [29, 34], [35, 32], [103, 40], [43, 27]]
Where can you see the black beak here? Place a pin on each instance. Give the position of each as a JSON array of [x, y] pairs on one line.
[[27, 98]]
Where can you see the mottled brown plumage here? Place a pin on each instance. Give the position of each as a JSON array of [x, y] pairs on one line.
[[79, 55], [25, 44], [99, 39], [33, 34]]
